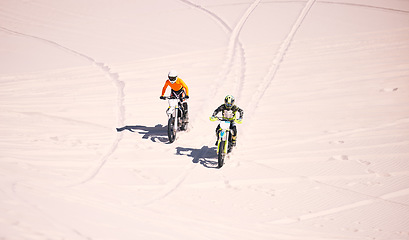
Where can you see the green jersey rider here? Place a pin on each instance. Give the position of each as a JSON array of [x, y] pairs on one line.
[[229, 110]]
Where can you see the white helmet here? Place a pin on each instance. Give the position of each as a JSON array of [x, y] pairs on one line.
[[173, 75]]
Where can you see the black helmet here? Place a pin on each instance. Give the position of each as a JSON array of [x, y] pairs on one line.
[[229, 101]]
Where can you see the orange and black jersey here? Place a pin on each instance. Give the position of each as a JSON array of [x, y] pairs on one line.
[[177, 86]]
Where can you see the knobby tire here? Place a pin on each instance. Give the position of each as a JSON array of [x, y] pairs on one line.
[[171, 132], [221, 154]]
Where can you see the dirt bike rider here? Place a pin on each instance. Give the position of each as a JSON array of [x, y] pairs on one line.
[[179, 90], [229, 110]]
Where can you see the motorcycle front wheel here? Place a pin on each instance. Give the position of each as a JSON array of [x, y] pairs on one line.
[[171, 130], [221, 154]]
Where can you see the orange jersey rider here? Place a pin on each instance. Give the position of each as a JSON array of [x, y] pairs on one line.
[[178, 86], [179, 90]]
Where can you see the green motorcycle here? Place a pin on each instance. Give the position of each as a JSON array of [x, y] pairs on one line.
[[224, 141]]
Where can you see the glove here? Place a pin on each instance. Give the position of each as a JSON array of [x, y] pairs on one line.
[[162, 97], [213, 118], [239, 120], [187, 97]]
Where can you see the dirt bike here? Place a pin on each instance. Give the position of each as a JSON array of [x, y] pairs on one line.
[[176, 118], [224, 140]]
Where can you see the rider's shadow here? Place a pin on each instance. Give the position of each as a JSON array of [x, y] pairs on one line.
[[157, 133], [202, 155]]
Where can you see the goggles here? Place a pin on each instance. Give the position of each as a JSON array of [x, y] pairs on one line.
[[172, 79]]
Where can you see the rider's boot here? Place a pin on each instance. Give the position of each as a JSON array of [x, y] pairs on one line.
[[233, 140]]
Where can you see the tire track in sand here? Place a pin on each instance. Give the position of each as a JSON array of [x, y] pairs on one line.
[[114, 77], [367, 6], [385, 198], [233, 46], [234, 52], [269, 77]]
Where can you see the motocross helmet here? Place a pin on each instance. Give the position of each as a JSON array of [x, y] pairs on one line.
[[173, 75], [229, 101]]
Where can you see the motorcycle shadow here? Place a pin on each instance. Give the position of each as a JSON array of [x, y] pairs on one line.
[[202, 155], [156, 133]]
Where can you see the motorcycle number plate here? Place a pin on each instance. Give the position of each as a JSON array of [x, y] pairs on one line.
[[225, 124], [173, 103]]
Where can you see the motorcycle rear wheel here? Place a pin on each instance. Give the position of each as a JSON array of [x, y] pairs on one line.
[[184, 125]]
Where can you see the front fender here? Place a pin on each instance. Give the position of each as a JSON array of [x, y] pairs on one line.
[[170, 112]]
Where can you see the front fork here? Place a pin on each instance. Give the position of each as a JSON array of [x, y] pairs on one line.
[[223, 139], [175, 126], [174, 115]]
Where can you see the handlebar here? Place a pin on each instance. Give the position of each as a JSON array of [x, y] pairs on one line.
[[167, 97], [219, 118], [239, 121], [171, 97]]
